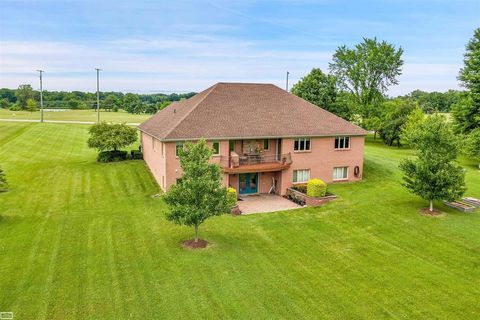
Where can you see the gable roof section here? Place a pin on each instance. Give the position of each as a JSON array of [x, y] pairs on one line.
[[245, 110]]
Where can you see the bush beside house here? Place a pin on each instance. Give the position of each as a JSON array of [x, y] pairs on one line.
[[316, 188], [109, 138]]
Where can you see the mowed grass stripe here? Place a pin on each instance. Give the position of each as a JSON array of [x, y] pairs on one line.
[[369, 254]]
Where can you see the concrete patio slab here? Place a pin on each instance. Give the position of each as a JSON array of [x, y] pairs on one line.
[[259, 203]]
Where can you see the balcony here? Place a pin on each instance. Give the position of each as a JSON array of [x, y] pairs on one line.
[[236, 163]]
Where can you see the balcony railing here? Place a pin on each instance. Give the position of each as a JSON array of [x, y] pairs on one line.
[[235, 160]]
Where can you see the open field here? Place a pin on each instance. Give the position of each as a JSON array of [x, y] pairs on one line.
[[82, 240], [75, 115]]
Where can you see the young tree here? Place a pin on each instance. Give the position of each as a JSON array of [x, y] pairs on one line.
[[106, 137], [367, 70], [200, 194], [23, 94], [414, 120], [466, 113], [31, 105], [3, 181], [433, 175]]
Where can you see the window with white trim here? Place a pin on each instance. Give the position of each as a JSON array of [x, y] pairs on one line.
[[342, 143], [340, 173], [301, 144], [216, 147], [301, 175]]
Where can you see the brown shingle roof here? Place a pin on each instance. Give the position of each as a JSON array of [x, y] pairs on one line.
[[245, 110]]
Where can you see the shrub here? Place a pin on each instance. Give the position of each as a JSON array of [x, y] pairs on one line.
[[231, 197], [301, 188], [111, 156], [316, 188], [136, 154]]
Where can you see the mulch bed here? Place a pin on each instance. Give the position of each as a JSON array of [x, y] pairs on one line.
[[427, 212], [191, 244]]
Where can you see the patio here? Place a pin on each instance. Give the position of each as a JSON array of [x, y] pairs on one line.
[[260, 203]]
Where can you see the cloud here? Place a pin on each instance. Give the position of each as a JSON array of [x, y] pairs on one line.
[[183, 64]]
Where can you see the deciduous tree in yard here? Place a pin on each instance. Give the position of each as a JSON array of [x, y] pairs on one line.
[[200, 194], [23, 94], [472, 144], [104, 136], [367, 71], [466, 113], [433, 175]]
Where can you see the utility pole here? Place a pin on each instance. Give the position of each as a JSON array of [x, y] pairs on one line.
[[41, 95], [98, 94], [287, 81]]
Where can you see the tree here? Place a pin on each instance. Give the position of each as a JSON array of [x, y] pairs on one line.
[[318, 88], [367, 70], [3, 181], [31, 105], [4, 104], [200, 194], [433, 175], [414, 120], [131, 103], [466, 113], [104, 136], [23, 94], [472, 143], [395, 115], [111, 102]]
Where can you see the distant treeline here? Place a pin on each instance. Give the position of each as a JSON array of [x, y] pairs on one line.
[[434, 101], [16, 99]]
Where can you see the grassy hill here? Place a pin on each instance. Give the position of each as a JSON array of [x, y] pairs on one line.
[[83, 240]]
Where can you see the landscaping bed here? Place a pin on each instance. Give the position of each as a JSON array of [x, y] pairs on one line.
[[297, 195]]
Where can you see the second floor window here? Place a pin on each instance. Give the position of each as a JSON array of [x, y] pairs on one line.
[[342, 143], [301, 144], [178, 147], [216, 147]]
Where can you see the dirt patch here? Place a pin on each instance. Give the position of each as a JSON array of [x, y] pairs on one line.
[[427, 212], [191, 244]]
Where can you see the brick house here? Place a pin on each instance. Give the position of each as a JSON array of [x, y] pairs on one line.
[[263, 137]]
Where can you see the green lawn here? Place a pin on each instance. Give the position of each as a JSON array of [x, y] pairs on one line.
[[75, 115], [82, 240]]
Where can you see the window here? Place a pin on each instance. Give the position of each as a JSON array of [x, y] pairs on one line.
[[153, 143], [231, 145], [301, 144], [266, 144], [342, 142], [340, 173], [178, 147], [216, 147], [301, 175]]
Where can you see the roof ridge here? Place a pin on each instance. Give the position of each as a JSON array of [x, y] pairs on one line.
[[191, 109]]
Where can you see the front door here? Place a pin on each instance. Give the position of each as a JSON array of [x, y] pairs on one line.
[[248, 183]]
